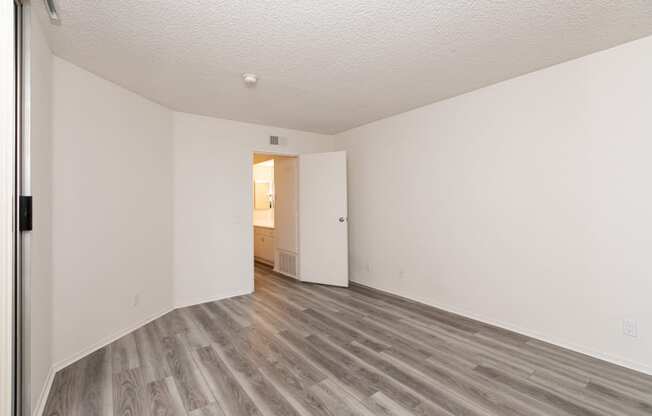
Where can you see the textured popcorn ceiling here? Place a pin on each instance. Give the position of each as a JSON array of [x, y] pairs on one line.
[[329, 65]]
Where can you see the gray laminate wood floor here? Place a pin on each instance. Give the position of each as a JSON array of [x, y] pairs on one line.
[[302, 349]]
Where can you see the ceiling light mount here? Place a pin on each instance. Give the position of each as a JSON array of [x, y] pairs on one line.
[[249, 79]]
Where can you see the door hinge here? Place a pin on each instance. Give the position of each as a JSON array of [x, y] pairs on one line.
[[25, 217]]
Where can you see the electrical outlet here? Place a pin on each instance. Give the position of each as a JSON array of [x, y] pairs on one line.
[[630, 328]]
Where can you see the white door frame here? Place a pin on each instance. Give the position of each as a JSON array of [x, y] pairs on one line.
[[11, 393], [251, 205]]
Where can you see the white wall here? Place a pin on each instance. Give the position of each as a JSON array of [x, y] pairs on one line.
[[286, 234], [112, 210], [213, 241], [37, 270], [525, 204], [116, 185]]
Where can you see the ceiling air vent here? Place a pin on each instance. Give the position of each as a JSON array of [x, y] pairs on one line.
[[273, 140]]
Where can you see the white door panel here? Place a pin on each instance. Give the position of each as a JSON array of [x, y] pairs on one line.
[[323, 226]]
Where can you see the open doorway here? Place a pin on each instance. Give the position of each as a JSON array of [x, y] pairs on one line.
[[300, 223], [275, 213]]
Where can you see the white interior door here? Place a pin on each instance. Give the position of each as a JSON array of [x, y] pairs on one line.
[[323, 227]]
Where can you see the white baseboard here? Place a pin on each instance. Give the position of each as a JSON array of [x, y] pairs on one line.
[[61, 364], [214, 298], [291, 276], [39, 408], [119, 334], [263, 261], [623, 362]]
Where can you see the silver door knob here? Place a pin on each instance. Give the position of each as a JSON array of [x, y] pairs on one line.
[[341, 219]]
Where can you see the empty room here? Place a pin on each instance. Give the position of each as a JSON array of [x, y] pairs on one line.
[[336, 207]]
